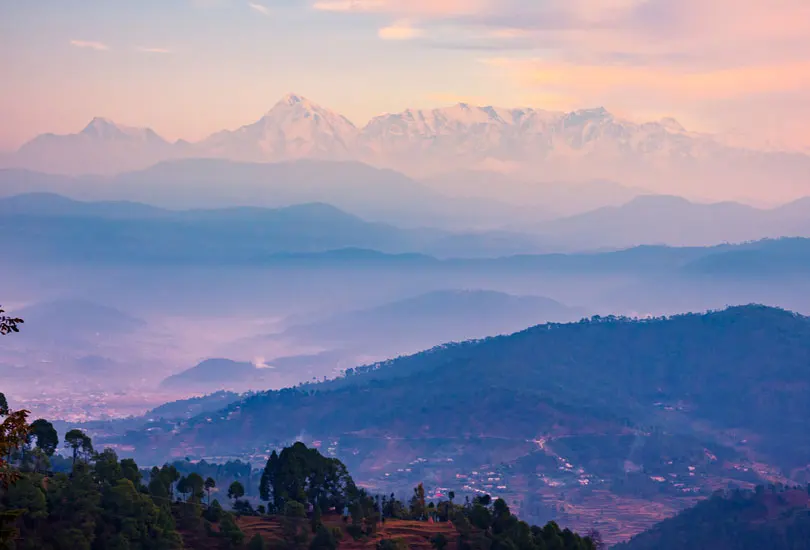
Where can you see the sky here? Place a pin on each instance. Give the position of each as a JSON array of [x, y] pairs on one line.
[[188, 68]]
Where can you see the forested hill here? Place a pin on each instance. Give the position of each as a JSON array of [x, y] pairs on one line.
[[744, 367], [772, 519]]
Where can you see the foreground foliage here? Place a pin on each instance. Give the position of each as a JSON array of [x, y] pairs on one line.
[[775, 518], [107, 503]]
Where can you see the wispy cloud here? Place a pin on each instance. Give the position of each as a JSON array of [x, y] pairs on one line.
[[401, 30], [429, 8], [153, 50], [89, 44], [350, 5], [261, 8]]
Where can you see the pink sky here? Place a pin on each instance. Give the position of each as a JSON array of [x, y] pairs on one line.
[[188, 68]]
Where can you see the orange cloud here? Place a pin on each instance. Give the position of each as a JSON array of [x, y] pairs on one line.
[[401, 30], [591, 81]]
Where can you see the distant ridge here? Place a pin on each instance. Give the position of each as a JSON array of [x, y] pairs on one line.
[[461, 137], [44, 227], [315, 227]]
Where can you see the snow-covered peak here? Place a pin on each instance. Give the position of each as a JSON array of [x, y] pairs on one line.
[[105, 129], [583, 116], [292, 99], [299, 104], [100, 126], [672, 125], [294, 128]]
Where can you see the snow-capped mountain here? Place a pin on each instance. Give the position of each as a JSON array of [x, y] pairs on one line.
[[294, 128], [528, 144], [464, 136], [104, 129], [101, 147]]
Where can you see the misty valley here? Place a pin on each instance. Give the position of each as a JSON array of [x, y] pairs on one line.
[[605, 369], [520, 275]]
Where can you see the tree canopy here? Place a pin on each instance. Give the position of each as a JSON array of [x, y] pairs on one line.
[[304, 475], [8, 324]]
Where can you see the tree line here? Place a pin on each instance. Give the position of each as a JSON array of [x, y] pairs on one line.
[[104, 502]]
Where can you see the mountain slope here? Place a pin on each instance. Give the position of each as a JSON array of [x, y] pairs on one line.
[[102, 147], [776, 519], [294, 128], [214, 375], [45, 204], [611, 423], [69, 317], [673, 221], [591, 373], [432, 318]]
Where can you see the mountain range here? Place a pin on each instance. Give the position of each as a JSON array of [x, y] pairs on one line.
[[592, 420], [527, 143], [46, 226], [375, 194], [50, 227], [663, 219]]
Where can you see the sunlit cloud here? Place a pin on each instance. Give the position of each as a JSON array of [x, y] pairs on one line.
[[625, 85], [401, 30], [153, 50], [89, 44], [420, 8], [350, 5], [508, 33], [261, 8]]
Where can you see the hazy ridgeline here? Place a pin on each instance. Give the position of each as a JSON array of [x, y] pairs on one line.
[[122, 295], [145, 289]]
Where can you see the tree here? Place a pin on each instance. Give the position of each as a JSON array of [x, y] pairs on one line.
[[256, 543], [43, 435], [13, 435], [392, 544], [305, 476], [209, 484], [324, 539], [107, 468], [230, 531], [317, 516], [293, 509], [418, 508], [8, 324], [195, 485], [47, 440], [268, 477], [169, 475], [79, 443], [596, 539], [130, 471], [439, 541], [182, 487], [236, 491]]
